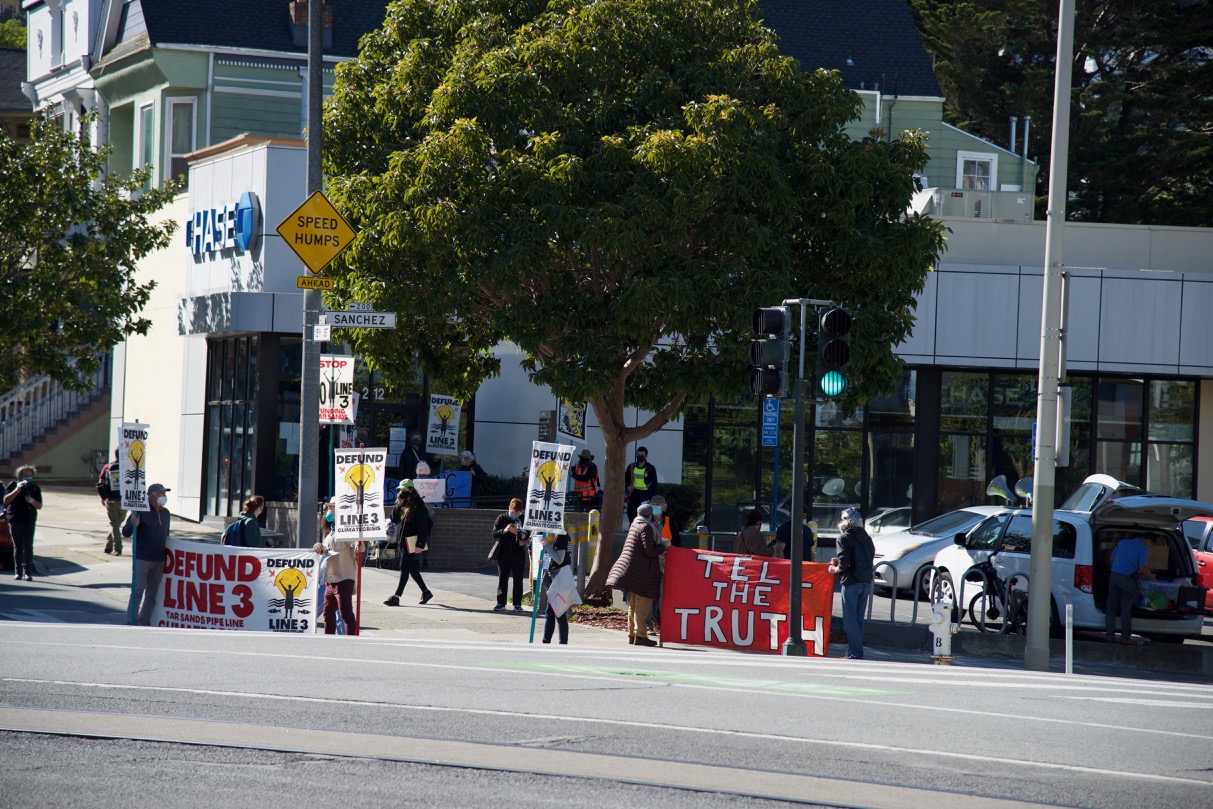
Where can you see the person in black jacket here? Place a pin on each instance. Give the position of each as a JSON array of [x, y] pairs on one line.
[[512, 552], [23, 499], [639, 481], [853, 565], [557, 550], [412, 519]]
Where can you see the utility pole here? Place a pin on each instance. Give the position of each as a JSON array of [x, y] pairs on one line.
[[1040, 575], [309, 394]]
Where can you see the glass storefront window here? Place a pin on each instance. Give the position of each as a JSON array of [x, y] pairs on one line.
[[892, 474], [962, 471], [964, 402], [231, 391], [896, 410], [1169, 470], [1014, 402], [1120, 459], [1172, 410], [1120, 410], [837, 477], [286, 453], [1012, 456]]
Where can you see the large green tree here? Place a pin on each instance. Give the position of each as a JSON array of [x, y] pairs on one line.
[[1141, 139], [69, 244], [612, 186]]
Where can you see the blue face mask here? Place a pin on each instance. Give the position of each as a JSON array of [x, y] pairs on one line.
[[656, 512], [26, 479], [328, 517]]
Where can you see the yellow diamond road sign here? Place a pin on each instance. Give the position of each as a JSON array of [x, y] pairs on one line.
[[316, 232]]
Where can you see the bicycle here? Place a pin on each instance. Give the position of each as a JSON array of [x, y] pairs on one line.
[[998, 599]]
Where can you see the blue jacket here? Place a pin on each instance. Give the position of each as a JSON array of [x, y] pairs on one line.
[[153, 533]]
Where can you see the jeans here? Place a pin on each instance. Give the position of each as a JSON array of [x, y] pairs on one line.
[[339, 595], [1122, 595], [408, 567], [639, 608], [146, 588], [113, 510], [854, 611], [23, 547]]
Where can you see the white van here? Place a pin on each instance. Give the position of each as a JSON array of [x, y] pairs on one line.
[[1085, 530]]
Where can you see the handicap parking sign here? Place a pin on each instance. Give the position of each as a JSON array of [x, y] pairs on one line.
[[770, 422]]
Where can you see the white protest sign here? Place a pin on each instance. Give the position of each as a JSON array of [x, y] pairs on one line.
[[132, 463], [442, 435], [207, 586], [432, 490], [546, 484], [337, 404], [359, 478]]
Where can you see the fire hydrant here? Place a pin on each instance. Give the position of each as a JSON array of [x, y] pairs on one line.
[[943, 629]]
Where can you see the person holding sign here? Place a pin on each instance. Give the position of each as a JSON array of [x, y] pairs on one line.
[[637, 572], [340, 573], [556, 548], [153, 527], [511, 552], [412, 520]]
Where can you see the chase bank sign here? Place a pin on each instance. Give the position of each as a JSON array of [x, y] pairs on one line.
[[233, 227]]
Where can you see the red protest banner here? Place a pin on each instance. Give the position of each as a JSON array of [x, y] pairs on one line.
[[741, 602]]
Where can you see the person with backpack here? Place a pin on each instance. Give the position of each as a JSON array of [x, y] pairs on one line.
[[245, 531], [109, 487]]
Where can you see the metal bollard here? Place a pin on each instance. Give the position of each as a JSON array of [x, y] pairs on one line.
[[943, 629], [702, 530], [590, 544]]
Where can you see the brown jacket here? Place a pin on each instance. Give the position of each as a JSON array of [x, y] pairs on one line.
[[749, 541], [638, 568]]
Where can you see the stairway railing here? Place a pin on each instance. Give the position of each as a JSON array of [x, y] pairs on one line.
[[33, 407]]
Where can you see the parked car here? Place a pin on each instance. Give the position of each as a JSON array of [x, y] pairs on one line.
[[1199, 531], [888, 520], [1085, 530], [911, 549]]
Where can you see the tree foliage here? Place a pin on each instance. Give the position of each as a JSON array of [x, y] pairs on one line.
[[1141, 139], [613, 187], [69, 245], [12, 34]]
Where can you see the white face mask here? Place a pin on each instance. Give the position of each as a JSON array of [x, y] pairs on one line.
[[514, 515], [161, 501]]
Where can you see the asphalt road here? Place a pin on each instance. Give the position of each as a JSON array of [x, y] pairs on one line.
[[123, 716]]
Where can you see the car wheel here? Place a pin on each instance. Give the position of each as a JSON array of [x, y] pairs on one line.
[[924, 583], [946, 590]]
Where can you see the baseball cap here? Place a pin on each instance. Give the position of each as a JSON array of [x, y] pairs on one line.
[[405, 484], [157, 487]]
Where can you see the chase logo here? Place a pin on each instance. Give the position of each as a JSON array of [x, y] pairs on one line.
[[232, 227]]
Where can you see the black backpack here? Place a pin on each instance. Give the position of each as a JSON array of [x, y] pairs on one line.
[[233, 534]]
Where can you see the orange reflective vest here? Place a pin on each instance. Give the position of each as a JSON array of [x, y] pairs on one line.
[[665, 529], [585, 488]]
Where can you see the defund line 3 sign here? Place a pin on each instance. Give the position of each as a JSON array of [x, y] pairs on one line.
[[316, 232]]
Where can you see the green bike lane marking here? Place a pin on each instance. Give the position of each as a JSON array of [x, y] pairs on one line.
[[713, 680]]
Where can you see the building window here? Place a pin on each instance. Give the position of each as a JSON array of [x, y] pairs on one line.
[[1171, 413], [147, 139], [976, 171], [180, 138], [230, 409]]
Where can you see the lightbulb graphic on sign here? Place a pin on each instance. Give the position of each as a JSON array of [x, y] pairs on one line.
[[549, 475]]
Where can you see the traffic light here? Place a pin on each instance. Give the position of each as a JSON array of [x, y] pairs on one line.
[[833, 353], [769, 352]]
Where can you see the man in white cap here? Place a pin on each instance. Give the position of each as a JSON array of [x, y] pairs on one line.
[[149, 541], [853, 566]]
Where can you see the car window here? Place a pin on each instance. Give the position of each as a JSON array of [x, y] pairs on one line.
[[985, 536], [1085, 498], [950, 524], [1018, 537], [1194, 531]]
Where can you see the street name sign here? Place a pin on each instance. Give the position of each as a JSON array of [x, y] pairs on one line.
[[313, 282], [362, 320], [316, 232]]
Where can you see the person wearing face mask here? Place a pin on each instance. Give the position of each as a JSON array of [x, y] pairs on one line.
[[412, 519], [511, 551], [149, 541], [479, 476], [640, 481], [637, 572], [783, 539], [411, 457], [23, 500], [339, 571]]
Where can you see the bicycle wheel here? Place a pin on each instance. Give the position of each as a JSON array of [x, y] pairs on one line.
[[985, 612]]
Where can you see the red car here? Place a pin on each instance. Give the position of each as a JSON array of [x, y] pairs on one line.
[[1199, 531]]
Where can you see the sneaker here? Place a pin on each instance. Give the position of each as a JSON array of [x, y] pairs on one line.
[[426, 596], [393, 601], [28, 577], [499, 608], [518, 608]]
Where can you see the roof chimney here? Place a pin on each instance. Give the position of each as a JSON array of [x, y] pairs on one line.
[[299, 23]]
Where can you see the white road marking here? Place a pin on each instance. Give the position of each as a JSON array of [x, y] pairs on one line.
[[882, 748], [1150, 703]]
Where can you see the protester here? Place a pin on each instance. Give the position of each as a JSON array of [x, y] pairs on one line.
[[149, 530], [23, 500], [783, 538], [853, 565], [250, 529], [1130, 562], [340, 573], [109, 489], [412, 521], [668, 527], [511, 551], [640, 481], [556, 548], [749, 540], [411, 457], [479, 476], [586, 486], [637, 572]]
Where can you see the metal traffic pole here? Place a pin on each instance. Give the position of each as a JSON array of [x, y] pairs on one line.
[[309, 394]]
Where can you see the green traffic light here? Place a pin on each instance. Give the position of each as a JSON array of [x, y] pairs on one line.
[[833, 383]]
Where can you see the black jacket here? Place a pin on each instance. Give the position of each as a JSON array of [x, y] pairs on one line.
[[508, 547], [855, 555]]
